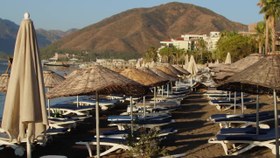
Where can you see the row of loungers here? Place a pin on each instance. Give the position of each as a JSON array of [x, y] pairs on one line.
[[157, 117], [239, 132], [225, 101]]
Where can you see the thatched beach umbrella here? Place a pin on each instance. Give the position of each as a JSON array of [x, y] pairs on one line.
[[25, 115], [163, 74], [182, 70], [96, 80], [51, 79], [142, 77], [168, 71], [260, 78], [4, 80], [225, 71]]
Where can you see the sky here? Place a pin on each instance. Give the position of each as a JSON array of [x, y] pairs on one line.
[[68, 14]]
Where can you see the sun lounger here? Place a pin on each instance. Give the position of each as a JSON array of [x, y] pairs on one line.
[[145, 123], [104, 104], [226, 105], [62, 123], [118, 134], [117, 142], [235, 144], [72, 109], [114, 144], [7, 141], [241, 120]]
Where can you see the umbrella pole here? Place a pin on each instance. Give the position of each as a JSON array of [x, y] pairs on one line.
[[234, 102], [242, 103], [77, 101], [97, 125], [28, 148], [155, 89], [257, 114], [167, 90], [144, 105], [276, 124], [49, 112], [162, 88], [131, 115]]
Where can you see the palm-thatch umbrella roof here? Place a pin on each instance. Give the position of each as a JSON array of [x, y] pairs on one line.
[[51, 78], [4, 80], [163, 74], [96, 78], [149, 71], [261, 77], [182, 70], [168, 71], [143, 77], [226, 71]]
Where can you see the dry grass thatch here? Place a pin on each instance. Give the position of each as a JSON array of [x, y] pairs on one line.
[[96, 78], [163, 74], [182, 70], [4, 80], [51, 78], [261, 77], [143, 77], [224, 71], [168, 71]]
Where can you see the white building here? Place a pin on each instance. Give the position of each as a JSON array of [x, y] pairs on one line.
[[189, 41]]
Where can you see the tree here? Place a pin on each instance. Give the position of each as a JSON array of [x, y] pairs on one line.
[[271, 10], [151, 55], [239, 46], [201, 47], [167, 53], [260, 36]]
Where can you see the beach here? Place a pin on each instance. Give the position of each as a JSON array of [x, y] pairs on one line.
[[191, 139]]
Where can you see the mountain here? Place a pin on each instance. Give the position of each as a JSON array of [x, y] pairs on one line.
[[47, 37], [8, 33], [136, 30]]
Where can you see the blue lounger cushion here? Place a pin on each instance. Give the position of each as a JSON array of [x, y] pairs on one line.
[[247, 130], [269, 135], [223, 116]]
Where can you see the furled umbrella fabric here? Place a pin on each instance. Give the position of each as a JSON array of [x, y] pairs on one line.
[[228, 59], [24, 113], [192, 67]]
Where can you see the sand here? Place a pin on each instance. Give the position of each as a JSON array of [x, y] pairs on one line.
[[192, 138]]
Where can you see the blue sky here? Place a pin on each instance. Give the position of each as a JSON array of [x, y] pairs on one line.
[[67, 14]]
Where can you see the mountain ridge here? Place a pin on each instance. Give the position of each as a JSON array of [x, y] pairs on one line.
[[137, 29]]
